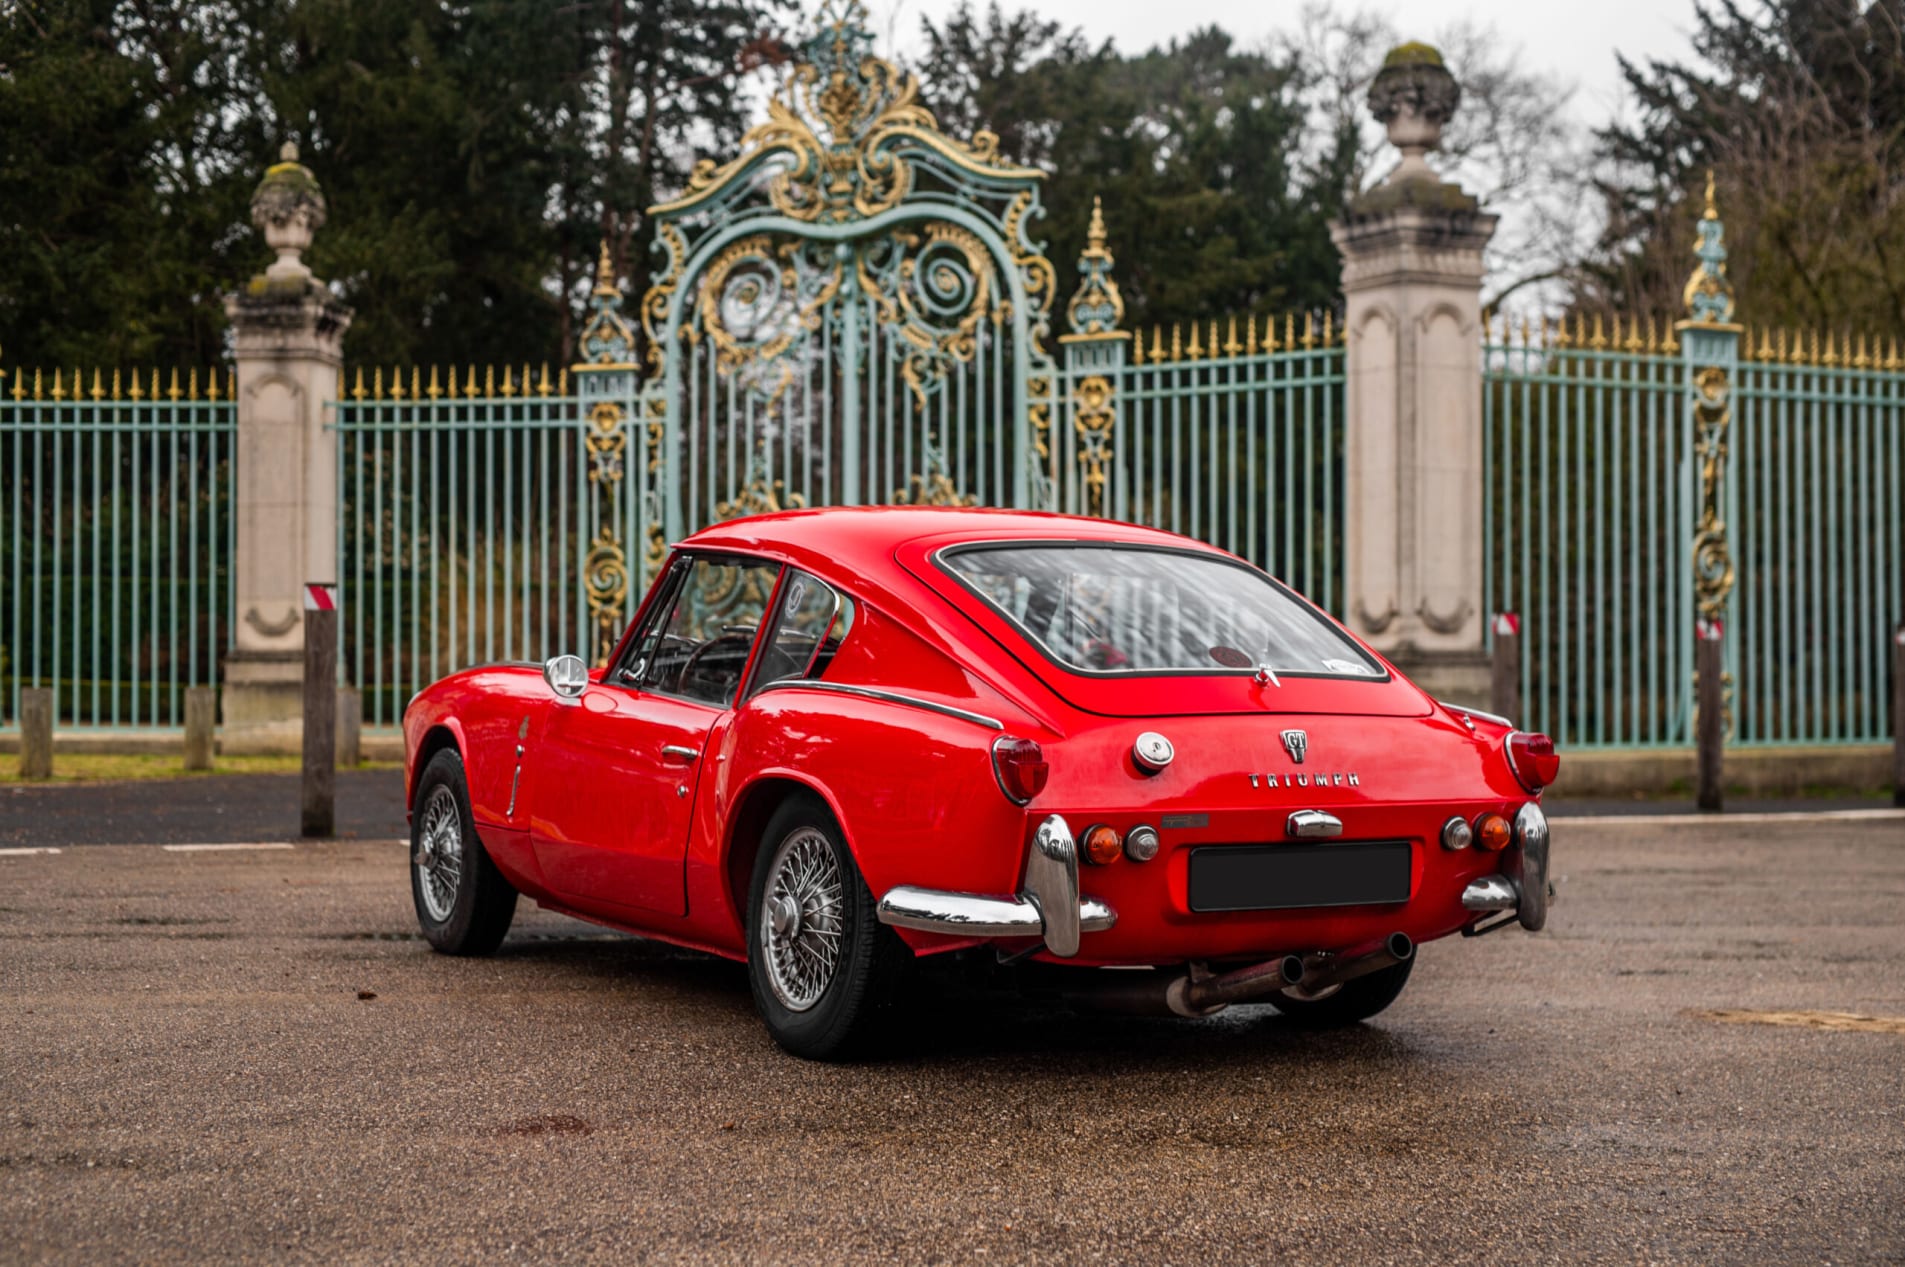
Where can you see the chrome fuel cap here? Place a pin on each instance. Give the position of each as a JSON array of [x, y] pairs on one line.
[[1152, 752]]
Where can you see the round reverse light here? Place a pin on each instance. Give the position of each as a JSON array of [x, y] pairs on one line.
[[1141, 843], [1457, 834], [1101, 845], [1152, 752], [1492, 832]]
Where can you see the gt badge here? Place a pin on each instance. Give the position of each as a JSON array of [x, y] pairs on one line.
[[1296, 742]]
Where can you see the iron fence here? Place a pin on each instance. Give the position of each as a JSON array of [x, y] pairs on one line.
[[115, 541], [1589, 519]]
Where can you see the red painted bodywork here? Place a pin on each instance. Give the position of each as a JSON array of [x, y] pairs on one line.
[[601, 826]]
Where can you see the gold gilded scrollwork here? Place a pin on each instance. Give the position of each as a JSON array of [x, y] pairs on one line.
[[1712, 556], [848, 123], [1093, 418], [947, 273], [605, 574], [1038, 391], [761, 496], [607, 441], [935, 487], [756, 284]]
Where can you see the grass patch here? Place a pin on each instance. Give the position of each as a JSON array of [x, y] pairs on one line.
[[104, 768]]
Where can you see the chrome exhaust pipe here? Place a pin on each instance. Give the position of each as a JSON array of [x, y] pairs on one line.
[[1191, 994], [1196, 993], [1321, 971]]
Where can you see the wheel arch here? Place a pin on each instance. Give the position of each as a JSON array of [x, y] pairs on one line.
[[753, 807], [442, 734]]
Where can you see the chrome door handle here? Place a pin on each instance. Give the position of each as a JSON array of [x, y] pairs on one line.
[[1313, 823], [679, 752]]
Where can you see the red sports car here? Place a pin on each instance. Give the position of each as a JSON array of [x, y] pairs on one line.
[[835, 741]]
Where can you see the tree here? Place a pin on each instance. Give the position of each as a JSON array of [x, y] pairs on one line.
[[1511, 143], [473, 155], [1193, 147], [1798, 106]]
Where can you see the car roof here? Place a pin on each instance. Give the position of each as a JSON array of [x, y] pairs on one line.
[[861, 539]]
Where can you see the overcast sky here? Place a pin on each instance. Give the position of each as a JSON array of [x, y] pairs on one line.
[[1575, 41]]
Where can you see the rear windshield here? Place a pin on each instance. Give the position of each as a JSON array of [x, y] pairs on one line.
[[1124, 609]]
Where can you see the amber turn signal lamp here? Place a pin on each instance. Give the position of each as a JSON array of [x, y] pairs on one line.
[[1101, 845], [1533, 759], [1020, 766], [1492, 832]]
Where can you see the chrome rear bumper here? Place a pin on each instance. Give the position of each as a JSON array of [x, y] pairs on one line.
[[1523, 888], [1048, 906]]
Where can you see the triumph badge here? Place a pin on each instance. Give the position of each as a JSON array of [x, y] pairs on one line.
[[1296, 742]]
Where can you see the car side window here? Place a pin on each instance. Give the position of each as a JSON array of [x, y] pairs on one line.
[[812, 621], [698, 645]]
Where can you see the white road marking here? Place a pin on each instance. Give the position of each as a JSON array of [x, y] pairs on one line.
[[21, 853], [1783, 816], [220, 848]]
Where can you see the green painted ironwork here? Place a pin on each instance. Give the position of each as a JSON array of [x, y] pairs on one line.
[[1595, 499], [850, 311], [1586, 528], [467, 515], [115, 543]]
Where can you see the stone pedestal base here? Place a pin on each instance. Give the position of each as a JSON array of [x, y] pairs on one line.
[[263, 703], [1454, 677]]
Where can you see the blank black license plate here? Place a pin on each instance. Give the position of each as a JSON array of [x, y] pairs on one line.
[[1284, 877]]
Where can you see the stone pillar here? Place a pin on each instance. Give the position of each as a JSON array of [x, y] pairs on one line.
[[288, 331], [1412, 275]]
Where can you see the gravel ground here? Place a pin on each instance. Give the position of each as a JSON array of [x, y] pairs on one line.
[[194, 1070]]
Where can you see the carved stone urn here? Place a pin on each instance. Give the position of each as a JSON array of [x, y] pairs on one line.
[[1414, 96], [288, 207]]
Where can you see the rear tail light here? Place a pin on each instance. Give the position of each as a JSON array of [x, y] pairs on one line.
[[1533, 759], [1101, 845], [1020, 765], [1492, 832]]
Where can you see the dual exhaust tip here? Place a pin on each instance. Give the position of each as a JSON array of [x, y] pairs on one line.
[[1199, 993]]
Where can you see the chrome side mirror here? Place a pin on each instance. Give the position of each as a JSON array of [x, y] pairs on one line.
[[566, 675]]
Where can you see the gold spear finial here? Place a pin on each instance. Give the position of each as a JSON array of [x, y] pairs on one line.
[[1713, 211], [604, 271], [1095, 232]]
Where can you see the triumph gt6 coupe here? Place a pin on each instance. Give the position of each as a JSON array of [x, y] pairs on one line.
[[835, 741]]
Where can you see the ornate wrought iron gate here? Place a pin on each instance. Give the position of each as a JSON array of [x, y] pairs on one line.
[[851, 311]]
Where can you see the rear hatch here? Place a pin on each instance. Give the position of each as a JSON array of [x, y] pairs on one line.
[[1380, 693]]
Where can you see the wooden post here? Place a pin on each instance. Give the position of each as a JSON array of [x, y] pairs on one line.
[[350, 727], [201, 707], [1504, 694], [1709, 663], [1898, 716], [36, 732], [320, 710]]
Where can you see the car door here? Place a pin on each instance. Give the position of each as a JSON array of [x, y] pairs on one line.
[[618, 766]]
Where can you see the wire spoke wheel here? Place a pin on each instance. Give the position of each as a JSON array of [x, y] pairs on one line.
[[801, 919], [439, 856]]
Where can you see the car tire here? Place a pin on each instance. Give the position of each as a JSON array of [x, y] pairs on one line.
[[464, 905], [822, 967], [1353, 1001]]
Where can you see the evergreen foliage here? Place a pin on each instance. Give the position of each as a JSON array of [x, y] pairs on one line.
[[1799, 108]]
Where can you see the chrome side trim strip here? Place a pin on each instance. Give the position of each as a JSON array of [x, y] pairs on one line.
[[1459, 709], [890, 697]]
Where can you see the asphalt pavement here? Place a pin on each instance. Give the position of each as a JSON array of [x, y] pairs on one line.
[[247, 1055]]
